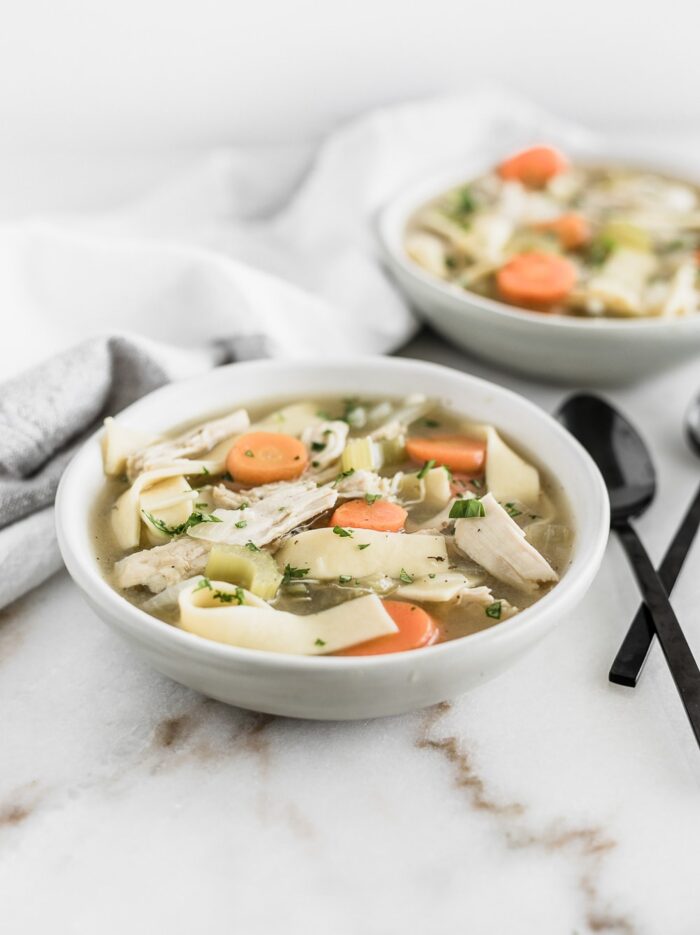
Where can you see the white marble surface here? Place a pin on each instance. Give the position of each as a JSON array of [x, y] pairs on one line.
[[548, 802]]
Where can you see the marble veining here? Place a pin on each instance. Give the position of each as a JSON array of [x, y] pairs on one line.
[[546, 802]]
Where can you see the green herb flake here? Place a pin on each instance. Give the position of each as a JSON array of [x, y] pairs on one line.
[[319, 642], [344, 579], [512, 510], [244, 505], [318, 446], [467, 509], [343, 475], [428, 466], [293, 574], [405, 577], [194, 519], [477, 483], [494, 610], [204, 583], [241, 524], [205, 469], [251, 546], [371, 498], [431, 423], [315, 464], [432, 574], [248, 453], [343, 533], [202, 506], [364, 545], [322, 414]]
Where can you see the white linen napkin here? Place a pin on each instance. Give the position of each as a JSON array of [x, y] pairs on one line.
[[270, 246]]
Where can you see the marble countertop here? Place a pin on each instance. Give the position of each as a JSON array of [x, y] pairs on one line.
[[547, 802]]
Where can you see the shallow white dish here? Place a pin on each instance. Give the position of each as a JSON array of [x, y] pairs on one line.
[[602, 351], [338, 688]]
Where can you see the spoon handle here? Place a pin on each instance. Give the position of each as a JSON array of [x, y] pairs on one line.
[[679, 657], [632, 654]]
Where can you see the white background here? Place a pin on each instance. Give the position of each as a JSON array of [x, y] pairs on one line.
[[98, 100]]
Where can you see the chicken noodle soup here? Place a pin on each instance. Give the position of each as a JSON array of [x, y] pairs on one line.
[[541, 233], [329, 526]]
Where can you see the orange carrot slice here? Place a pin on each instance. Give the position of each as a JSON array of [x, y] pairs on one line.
[[264, 457], [573, 230], [380, 515], [416, 628], [457, 452], [534, 167], [536, 280]]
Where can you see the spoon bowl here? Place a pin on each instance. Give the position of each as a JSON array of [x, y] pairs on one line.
[[618, 450]]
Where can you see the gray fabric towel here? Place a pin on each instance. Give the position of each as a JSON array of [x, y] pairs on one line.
[[44, 415]]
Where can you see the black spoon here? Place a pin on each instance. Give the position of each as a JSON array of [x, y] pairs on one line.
[[628, 472], [635, 647]]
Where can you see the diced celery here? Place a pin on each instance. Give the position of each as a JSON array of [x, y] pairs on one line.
[[257, 572], [624, 234], [361, 454]]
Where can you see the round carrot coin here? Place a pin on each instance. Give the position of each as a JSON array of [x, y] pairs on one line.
[[416, 628], [534, 167], [536, 280], [264, 457], [381, 515], [457, 452]]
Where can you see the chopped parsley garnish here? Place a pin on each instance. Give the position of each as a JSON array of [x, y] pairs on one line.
[[322, 414], [241, 524], [428, 466], [467, 509], [512, 510], [194, 519], [343, 475], [600, 250], [318, 446], [319, 642], [225, 597], [405, 577], [293, 574], [494, 610], [465, 203], [248, 453], [477, 483], [343, 533], [344, 579], [205, 469], [315, 464], [371, 498], [450, 263], [244, 505], [431, 423], [202, 506], [251, 546], [364, 545], [327, 432], [432, 574]]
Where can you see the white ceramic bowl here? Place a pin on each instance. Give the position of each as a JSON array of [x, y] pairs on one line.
[[338, 688], [602, 351]]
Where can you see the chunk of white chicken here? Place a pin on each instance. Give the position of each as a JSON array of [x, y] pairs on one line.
[[428, 251], [620, 284], [682, 298], [193, 443], [269, 518], [264, 521], [325, 442], [163, 566], [498, 544], [359, 483]]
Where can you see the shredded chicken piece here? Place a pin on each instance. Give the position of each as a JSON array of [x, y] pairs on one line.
[[359, 483], [269, 518], [498, 544], [194, 442], [332, 436], [164, 565]]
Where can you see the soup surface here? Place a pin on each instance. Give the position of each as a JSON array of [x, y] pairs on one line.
[[540, 233], [321, 526]]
